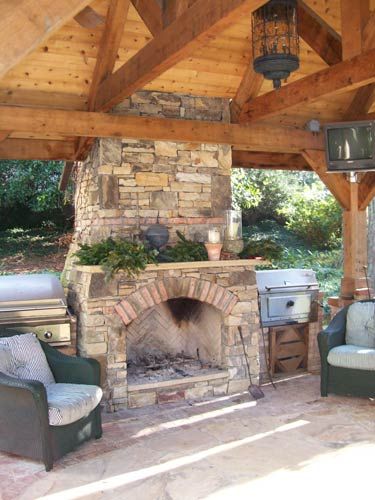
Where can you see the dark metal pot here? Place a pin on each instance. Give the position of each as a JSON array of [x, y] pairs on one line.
[[157, 235]]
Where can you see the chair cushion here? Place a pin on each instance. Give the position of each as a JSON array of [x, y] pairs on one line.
[[360, 324], [352, 356], [28, 358], [5, 360], [68, 403]]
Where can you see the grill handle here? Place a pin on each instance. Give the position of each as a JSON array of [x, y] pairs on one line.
[[282, 287]]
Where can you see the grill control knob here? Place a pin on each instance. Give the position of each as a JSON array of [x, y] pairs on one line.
[[48, 335], [290, 303]]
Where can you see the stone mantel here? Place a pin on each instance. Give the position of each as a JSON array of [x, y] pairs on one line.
[[165, 266]]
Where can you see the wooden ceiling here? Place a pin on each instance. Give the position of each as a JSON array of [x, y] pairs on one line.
[[91, 55]]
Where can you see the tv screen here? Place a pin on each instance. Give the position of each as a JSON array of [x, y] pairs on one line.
[[350, 146]]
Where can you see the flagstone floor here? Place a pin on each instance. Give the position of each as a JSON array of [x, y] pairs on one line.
[[291, 444]]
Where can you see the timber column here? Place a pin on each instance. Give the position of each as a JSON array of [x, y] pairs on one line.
[[355, 248]]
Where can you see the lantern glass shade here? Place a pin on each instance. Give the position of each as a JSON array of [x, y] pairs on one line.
[[275, 40]]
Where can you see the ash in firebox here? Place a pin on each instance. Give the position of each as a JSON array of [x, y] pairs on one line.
[[160, 367]]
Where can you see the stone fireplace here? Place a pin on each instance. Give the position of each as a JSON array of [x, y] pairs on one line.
[[172, 332]]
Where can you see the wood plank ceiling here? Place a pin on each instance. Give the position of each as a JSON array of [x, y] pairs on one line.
[[64, 72]]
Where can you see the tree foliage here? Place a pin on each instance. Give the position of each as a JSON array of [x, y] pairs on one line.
[[29, 188]]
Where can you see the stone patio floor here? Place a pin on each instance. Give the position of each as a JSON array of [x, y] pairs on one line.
[[291, 444]]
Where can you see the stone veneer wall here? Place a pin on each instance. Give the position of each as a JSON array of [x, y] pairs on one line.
[[227, 285], [127, 182]]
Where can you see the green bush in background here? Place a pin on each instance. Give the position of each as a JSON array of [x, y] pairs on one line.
[[315, 216], [30, 195]]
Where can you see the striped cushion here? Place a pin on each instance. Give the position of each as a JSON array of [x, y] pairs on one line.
[[68, 403], [28, 359], [352, 356], [360, 324], [5, 360]]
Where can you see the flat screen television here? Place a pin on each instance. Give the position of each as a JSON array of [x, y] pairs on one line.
[[350, 146]]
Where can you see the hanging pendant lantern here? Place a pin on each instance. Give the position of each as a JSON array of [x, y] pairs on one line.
[[275, 40]]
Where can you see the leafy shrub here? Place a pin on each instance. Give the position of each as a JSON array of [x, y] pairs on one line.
[[116, 255], [316, 217], [29, 194], [184, 251], [265, 247]]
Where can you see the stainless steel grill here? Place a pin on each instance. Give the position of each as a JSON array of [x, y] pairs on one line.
[[35, 303], [287, 296]]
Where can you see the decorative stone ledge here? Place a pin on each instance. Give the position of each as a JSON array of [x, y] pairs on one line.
[[185, 265]]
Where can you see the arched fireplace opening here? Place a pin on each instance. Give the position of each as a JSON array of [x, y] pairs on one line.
[[175, 339]]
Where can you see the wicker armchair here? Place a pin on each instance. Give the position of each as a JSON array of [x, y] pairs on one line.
[[24, 422], [342, 380]]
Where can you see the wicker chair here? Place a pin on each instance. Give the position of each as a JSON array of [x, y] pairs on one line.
[[24, 422], [343, 380]]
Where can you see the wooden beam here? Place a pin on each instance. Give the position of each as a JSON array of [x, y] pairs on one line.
[[364, 97], [26, 24], [33, 149], [4, 134], [65, 176], [336, 183], [105, 62], [199, 25], [88, 18], [361, 103], [174, 9], [366, 191], [344, 76], [151, 14], [354, 16], [319, 35], [279, 161], [271, 138], [249, 88]]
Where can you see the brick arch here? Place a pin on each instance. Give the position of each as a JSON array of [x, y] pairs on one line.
[[173, 288]]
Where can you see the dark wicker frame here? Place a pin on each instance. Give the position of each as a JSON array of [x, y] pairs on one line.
[[24, 425], [342, 381]]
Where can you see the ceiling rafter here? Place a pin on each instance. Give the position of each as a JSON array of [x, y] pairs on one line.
[[255, 137], [200, 24], [319, 35], [174, 9], [344, 76], [151, 14], [105, 62], [28, 24]]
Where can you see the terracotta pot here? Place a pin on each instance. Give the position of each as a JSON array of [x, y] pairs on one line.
[[213, 250]]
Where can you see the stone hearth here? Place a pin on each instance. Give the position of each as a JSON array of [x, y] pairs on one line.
[[109, 314]]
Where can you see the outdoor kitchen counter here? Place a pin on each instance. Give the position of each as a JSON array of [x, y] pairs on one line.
[[185, 265]]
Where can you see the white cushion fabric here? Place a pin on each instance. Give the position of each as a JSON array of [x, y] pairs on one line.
[[360, 324], [68, 403], [352, 356], [28, 358], [5, 360]]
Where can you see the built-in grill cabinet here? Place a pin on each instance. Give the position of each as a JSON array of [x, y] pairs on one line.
[[288, 303], [36, 303]]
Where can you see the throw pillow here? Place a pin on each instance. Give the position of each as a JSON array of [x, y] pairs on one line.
[[360, 324], [6, 365], [29, 360]]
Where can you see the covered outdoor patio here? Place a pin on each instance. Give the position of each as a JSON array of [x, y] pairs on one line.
[[151, 104]]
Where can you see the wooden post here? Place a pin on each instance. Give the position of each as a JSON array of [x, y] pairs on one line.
[[355, 246], [353, 21]]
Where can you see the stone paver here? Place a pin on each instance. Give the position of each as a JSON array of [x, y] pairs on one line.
[[291, 444]]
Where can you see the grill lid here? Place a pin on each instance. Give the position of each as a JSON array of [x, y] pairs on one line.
[[282, 280], [31, 295]]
